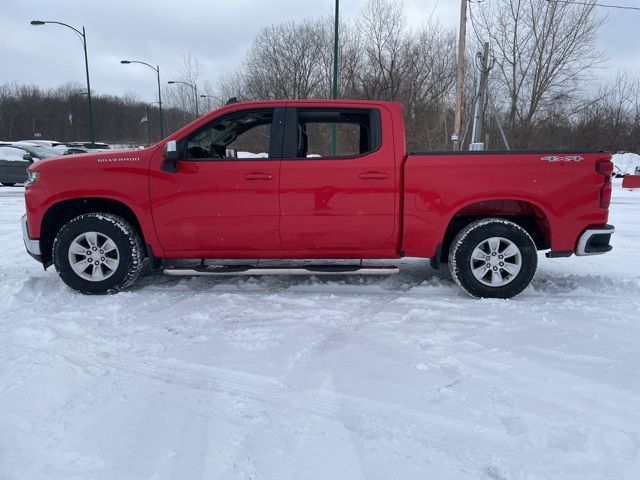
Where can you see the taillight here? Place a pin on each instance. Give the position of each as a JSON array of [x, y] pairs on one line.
[[605, 168]]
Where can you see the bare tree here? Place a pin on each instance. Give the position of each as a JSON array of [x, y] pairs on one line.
[[181, 96], [385, 49], [545, 50], [285, 61], [612, 121]]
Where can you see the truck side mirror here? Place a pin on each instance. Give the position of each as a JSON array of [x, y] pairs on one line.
[[171, 157], [27, 157]]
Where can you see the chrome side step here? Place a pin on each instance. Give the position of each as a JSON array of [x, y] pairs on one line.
[[226, 270]]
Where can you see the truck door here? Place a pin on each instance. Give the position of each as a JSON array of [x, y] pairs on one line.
[[337, 184], [223, 199]]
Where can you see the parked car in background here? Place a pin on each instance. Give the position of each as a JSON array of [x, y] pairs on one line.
[[15, 158], [90, 146], [74, 150], [44, 143], [39, 152], [59, 147], [67, 150], [13, 165]]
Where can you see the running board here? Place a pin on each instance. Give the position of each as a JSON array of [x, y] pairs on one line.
[[307, 270]]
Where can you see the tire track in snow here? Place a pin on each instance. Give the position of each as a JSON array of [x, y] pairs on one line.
[[540, 292], [334, 338], [365, 417]]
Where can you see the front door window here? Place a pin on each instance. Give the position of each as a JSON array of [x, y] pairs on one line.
[[242, 135]]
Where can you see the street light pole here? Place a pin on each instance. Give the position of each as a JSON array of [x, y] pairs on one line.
[[157, 70], [83, 37], [336, 26], [160, 103], [193, 87], [209, 101], [334, 89], [147, 122], [92, 136]]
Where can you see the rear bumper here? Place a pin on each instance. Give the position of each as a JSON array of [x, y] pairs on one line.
[[32, 246], [595, 241]]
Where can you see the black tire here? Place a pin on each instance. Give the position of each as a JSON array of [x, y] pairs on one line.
[[129, 251], [472, 236], [8, 184]]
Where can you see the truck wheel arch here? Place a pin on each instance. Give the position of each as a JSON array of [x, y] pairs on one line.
[[530, 216], [60, 213]]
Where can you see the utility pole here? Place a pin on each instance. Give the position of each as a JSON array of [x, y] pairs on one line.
[[462, 39], [481, 97]]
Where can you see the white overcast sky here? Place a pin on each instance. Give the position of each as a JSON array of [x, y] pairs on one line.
[[215, 32]]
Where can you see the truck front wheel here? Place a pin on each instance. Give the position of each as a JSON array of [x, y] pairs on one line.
[[98, 253], [493, 258]]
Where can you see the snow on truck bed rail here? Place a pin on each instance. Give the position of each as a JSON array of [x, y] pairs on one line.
[[323, 378]]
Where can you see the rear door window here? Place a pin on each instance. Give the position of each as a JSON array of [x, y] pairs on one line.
[[333, 133]]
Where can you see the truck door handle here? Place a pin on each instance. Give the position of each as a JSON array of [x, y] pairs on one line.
[[373, 175], [257, 176]]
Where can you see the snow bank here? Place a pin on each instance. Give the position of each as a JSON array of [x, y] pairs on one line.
[[626, 163]]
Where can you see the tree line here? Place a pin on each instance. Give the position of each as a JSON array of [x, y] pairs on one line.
[[28, 112], [546, 88]]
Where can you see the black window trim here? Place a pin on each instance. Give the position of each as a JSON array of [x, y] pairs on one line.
[[290, 140], [276, 138]]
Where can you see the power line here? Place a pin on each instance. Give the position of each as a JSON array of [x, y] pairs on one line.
[[589, 4], [473, 21], [432, 12]]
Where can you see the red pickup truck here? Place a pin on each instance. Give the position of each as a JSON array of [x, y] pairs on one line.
[[312, 180]]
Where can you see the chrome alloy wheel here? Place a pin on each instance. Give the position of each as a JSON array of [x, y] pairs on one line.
[[93, 256], [496, 261]]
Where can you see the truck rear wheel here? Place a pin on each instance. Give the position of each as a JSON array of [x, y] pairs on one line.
[[98, 253], [493, 258]]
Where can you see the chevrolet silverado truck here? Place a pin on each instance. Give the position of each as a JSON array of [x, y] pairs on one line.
[[291, 181]]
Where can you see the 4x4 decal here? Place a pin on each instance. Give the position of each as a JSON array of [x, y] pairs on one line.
[[555, 158]]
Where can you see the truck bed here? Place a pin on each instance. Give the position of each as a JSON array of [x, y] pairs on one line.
[[558, 189]]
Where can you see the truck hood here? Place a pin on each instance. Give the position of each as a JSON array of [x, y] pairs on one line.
[[95, 160]]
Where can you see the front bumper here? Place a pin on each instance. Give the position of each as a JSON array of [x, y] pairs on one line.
[[595, 241], [32, 246]]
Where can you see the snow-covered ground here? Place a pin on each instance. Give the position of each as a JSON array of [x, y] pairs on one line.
[[404, 377]]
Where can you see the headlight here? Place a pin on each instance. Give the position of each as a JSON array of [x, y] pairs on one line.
[[32, 177]]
